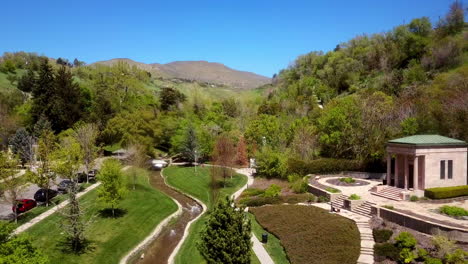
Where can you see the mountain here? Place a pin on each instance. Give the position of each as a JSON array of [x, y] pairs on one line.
[[202, 71]]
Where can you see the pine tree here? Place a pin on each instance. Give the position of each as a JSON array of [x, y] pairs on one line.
[[226, 237], [22, 145]]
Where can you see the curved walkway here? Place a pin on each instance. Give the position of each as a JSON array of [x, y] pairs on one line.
[[257, 247], [367, 239]]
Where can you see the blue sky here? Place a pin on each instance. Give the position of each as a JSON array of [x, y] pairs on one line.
[[256, 35]]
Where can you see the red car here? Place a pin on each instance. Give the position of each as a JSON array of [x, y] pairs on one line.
[[24, 205]]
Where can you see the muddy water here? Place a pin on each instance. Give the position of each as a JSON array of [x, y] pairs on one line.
[[160, 249]]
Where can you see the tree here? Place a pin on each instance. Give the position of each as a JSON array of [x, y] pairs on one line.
[[241, 155], [453, 22], [226, 237], [86, 136], [170, 97], [223, 154], [78, 63], [42, 91], [22, 145], [190, 145], [113, 186], [11, 185], [16, 249], [27, 81], [137, 159], [44, 175]]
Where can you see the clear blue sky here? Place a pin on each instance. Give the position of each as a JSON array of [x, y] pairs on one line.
[[252, 35]]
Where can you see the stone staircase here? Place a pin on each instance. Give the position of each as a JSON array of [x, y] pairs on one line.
[[367, 242], [364, 209], [390, 192], [338, 202]]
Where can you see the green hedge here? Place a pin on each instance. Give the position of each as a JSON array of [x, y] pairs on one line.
[[446, 192], [324, 165]]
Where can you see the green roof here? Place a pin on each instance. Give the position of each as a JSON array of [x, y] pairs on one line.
[[427, 140]]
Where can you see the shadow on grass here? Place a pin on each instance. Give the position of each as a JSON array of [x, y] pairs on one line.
[[66, 246], [107, 213]]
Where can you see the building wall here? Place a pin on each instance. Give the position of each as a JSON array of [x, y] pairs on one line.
[[433, 156]]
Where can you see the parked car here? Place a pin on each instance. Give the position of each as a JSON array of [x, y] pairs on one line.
[[158, 164], [40, 195], [93, 173], [65, 185], [24, 205], [81, 177]]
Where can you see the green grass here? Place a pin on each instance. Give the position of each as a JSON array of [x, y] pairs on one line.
[[332, 190], [198, 185], [273, 246], [453, 211], [110, 238]]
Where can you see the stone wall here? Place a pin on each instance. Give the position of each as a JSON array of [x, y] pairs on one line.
[[319, 192], [420, 225], [365, 175]]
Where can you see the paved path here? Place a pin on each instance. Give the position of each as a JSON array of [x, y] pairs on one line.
[[257, 247], [52, 210], [362, 222]]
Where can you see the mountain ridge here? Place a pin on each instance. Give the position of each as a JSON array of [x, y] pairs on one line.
[[204, 71]]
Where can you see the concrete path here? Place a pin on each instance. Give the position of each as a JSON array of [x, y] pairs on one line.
[[52, 210], [367, 239], [257, 247]]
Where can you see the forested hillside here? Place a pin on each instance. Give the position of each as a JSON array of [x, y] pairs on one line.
[[343, 104]]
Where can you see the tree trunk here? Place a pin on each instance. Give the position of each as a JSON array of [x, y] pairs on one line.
[[113, 214]]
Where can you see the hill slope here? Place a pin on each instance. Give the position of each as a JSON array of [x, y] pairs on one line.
[[202, 71]]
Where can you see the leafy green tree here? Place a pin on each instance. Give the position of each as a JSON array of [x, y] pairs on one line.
[[226, 237], [271, 164], [11, 186], [170, 97], [264, 130], [16, 249], [113, 185]]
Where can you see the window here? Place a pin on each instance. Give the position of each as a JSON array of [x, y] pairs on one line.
[[442, 169], [450, 169]]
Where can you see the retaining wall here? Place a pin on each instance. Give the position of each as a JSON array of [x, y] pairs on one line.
[[365, 175], [319, 192], [420, 225]]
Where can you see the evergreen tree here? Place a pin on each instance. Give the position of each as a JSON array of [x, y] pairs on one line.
[[27, 81], [226, 237], [190, 146], [22, 145], [42, 91]]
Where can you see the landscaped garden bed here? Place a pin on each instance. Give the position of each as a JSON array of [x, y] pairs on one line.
[[109, 238], [310, 234], [347, 181]]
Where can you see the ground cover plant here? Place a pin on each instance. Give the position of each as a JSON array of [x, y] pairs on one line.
[[139, 213], [310, 234], [354, 197], [347, 180], [453, 211], [197, 184]]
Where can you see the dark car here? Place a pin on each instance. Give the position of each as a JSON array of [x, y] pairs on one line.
[[24, 205], [40, 195], [81, 177], [65, 185], [93, 173]]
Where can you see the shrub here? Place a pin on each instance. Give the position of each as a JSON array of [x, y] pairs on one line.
[[453, 210], [387, 250], [332, 190], [300, 185], [407, 255], [252, 192], [323, 199], [405, 240], [354, 197], [446, 192], [272, 191], [390, 207], [259, 201], [293, 177], [432, 261], [347, 180], [321, 166], [382, 235], [414, 198], [422, 253], [271, 164], [457, 256]]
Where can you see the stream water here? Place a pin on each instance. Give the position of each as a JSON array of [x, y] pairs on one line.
[[161, 248]]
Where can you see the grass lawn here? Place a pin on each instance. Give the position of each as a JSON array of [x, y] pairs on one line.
[[273, 246], [310, 234], [110, 238], [198, 185]]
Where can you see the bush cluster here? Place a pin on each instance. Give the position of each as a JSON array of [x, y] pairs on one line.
[[453, 211], [290, 199], [382, 235], [332, 190], [322, 166], [347, 180], [272, 191], [354, 197], [446, 192]]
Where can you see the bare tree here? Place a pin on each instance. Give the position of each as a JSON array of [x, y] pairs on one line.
[[137, 159], [224, 154], [86, 136]]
